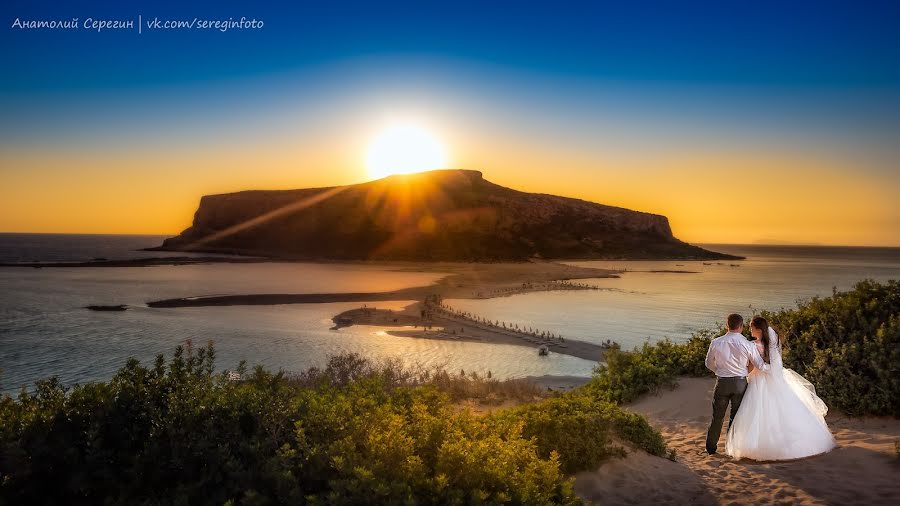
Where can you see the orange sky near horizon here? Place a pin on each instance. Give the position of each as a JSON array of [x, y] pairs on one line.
[[740, 126], [765, 198]]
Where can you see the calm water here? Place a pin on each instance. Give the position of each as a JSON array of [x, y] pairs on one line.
[[44, 329], [645, 305], [24, 248]]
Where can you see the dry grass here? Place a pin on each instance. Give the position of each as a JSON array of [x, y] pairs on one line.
[[349, 367]]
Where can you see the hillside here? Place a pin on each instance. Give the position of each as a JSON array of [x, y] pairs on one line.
[[447, 215]]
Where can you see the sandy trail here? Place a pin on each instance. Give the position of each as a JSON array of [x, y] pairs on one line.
[[469, 281], [864, 469], [462, 281]]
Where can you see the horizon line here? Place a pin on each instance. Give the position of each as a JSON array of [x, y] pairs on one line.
[[697, 243]]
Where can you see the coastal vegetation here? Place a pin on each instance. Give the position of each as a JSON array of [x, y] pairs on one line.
[[847, 345], [353, 432], [178, 432]]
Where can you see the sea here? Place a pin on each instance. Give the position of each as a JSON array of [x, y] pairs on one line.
[[46, 331]]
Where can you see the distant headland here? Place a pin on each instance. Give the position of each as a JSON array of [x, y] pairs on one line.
[[442, 215]]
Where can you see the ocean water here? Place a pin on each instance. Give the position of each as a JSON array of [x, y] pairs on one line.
[[45, 330], [644, 305], [24, 248]]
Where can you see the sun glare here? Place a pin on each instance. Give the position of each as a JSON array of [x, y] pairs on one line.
[[402, 149]]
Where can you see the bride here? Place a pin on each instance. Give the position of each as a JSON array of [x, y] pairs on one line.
[[780, 417]]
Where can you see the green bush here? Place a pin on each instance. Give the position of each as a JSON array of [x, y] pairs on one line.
[[351, 433], [583, 430], [627, 375], [847, 345]]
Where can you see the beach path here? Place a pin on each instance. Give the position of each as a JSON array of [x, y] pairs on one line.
[[864, 469]]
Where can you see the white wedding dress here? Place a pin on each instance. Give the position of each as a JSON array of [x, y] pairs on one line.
[[780, 416]]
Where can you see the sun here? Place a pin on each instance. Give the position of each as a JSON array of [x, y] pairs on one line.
[[402, 149]]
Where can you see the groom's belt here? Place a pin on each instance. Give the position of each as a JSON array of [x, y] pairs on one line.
[[732, 377]]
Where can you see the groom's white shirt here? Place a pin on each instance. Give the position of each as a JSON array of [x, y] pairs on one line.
[[728, 356]]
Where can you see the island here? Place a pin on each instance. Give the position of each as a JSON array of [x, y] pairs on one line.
[[442, 215]]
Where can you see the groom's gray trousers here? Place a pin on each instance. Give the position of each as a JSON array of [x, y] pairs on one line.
[[728, 391]]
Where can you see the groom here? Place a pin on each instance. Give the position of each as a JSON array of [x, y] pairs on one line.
[[728, 357]]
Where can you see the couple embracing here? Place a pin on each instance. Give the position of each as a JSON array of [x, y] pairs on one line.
[[775, 412]]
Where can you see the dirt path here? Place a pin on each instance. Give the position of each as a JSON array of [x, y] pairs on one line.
[[864, 469]]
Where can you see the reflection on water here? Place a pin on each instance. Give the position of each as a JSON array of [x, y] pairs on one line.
[[643, 304], [24, 248], [44, 329]]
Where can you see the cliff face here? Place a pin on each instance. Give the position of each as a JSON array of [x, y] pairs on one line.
[[449, 215]]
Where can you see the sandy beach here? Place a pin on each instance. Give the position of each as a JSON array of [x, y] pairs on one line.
[[411, 322], [862, 470], [463, 281]]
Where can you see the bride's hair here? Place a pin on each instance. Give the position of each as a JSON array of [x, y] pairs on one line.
[[758, 322]]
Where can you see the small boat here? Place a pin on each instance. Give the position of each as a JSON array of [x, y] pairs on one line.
[[543, 350]]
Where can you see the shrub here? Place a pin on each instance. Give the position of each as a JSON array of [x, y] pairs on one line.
[[625, 376], [353, 432], [349, 367], [847, 345], [582, 430]]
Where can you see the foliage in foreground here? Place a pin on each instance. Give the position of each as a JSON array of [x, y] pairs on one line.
[[347, 368], [627, 375], [351, 433], [847, 345], [583, 430]]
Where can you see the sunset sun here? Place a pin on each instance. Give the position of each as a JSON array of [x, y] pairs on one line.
[[402, 149]]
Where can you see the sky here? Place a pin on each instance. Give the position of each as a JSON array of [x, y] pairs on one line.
[[758, 122]]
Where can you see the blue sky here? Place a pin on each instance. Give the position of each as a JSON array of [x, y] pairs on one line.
[[593, 84], [794, 44], [838, 56], [831, 61]]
